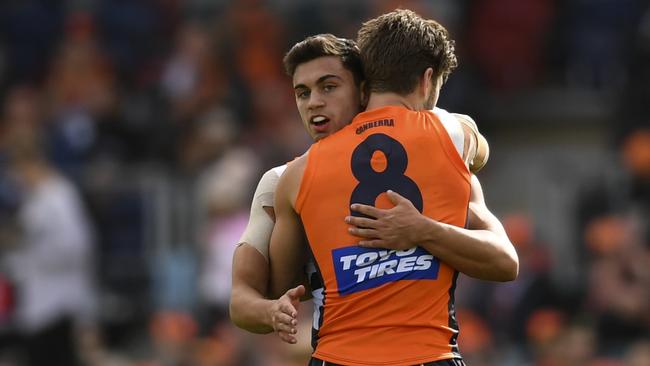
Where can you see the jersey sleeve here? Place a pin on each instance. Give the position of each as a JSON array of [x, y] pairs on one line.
[[260, 225]]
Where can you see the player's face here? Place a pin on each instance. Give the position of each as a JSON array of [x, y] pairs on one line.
[[326, 95]]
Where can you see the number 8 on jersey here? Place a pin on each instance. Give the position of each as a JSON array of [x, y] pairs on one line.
[[373, 183]]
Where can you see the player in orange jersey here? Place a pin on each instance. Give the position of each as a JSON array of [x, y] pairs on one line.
[[327, 75], [336, 97], [386, 307]]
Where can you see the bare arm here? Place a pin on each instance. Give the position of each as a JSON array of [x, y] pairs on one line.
[[287, 253], [250, 309], [483, 251]]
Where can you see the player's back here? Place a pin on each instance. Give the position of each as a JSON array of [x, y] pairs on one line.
[[383, 307]]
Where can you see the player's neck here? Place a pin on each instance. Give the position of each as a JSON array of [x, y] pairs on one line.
[[409, 101]]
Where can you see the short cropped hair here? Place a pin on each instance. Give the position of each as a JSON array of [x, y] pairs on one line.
[[397, 47], [322, 45]]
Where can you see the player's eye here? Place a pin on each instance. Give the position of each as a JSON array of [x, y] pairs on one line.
[[302, 94], [329, 87]]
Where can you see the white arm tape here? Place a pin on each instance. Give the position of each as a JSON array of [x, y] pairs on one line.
[[452, 125], [260, 225], [482, 151]]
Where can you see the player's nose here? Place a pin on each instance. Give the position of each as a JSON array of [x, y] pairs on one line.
[[315, 101]]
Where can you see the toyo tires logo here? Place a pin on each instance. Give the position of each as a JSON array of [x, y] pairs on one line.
[[359, 269]]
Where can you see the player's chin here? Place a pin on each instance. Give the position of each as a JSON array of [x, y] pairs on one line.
[[319, 135]]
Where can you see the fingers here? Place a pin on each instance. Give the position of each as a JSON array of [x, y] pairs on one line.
[[285, 322], [288, 338], [361, 222], [395, 198], [373, 243], [296, 293], [288, 335], [363, 233], [287, 308], [367, 210]]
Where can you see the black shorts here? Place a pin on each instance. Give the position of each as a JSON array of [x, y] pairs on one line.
[[448, 362]]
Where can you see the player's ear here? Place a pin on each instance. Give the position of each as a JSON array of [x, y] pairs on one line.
[[364, 94], [426, 82]]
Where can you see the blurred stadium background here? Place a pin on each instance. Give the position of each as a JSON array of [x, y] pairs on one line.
[[147, 123]]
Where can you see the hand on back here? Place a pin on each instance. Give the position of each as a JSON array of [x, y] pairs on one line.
[[392, 228]]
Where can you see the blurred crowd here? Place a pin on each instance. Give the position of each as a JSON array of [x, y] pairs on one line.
[[133, 133]]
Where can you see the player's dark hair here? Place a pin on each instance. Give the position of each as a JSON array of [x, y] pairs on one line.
[[322, 45], [397, 47]]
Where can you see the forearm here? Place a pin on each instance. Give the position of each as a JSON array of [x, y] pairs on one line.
[[481, 254], [250, 310], [287, 258], [249, 307]]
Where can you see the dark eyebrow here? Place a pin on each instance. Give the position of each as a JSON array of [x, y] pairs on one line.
[[320, 80]]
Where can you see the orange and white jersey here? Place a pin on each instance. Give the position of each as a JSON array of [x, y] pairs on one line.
[[383, 307]]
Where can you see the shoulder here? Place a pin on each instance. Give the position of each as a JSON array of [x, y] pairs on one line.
[[267, 185], [466, 121], [453, 127], [270, 177], [295, 168], [480, 151], [289, 182], [274, 173]]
